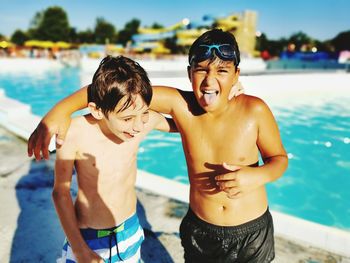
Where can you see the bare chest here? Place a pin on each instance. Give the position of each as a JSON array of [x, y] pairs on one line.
[[106, 163], [231, 140]]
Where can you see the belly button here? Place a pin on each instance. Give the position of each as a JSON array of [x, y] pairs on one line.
[[223, 208]]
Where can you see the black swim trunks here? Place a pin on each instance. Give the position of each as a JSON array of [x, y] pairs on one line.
[[251, 242]]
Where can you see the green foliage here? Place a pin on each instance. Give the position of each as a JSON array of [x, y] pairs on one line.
[[36, 20], [299, 39], [341, 41], [273, 47], [19, 37], [104, 31], [171, 43], [86, 36], [129, 30], [73, 35], [157, 26], [52, 24]]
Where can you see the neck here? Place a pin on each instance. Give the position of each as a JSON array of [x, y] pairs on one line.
[[108, 133]]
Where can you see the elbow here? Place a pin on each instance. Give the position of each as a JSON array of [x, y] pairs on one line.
[[284, 164], [59, 194]]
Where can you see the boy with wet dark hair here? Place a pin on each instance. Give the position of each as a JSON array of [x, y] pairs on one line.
[[228, 218], [102, 225]]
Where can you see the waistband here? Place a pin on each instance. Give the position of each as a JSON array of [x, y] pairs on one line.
[[223, 231], [91, 233]]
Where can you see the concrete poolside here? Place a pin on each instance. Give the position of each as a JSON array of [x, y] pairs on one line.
[[31, 232]]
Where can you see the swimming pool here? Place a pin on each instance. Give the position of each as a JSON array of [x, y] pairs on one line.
[[315, 186]]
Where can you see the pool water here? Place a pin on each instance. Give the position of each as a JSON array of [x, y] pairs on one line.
[[315, 186]]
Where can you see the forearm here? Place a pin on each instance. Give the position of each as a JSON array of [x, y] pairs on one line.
[[70, 104], [66, 213], [273, 168]]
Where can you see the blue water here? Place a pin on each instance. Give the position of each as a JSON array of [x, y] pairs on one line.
[[317, 139]]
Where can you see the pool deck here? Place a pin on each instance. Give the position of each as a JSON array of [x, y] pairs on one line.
[[26, 187]]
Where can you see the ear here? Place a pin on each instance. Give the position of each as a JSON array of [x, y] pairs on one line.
[[189, 73], [238, 71], [95, 112]]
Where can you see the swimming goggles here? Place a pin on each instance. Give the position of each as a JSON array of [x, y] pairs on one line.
[[223, 51]]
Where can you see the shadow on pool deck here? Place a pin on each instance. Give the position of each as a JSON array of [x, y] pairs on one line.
[[39, 236]]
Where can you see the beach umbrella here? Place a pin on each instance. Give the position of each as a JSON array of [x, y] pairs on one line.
[[62, 44], [47, 44], [5, 44], [31, 43], [39, 43]]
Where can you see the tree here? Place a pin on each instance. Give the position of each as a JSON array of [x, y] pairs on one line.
[[104, 31], [19, 37], [157, 26], [300, 39], [36, 20], [51, 24], [262, 43], [86, 36], [129, 30], [341, 41]]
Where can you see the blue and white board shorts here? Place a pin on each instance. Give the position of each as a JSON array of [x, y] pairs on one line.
[[118, 244]]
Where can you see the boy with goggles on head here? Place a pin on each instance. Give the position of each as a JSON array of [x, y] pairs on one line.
[[228, 218]]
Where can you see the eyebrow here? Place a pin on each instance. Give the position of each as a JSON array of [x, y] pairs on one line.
[[133, 115]]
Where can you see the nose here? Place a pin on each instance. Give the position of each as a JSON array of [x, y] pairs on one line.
[[209, 78], [138, 125]]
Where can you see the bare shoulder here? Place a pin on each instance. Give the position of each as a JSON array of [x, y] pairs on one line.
[[253, 104], [79, 126]]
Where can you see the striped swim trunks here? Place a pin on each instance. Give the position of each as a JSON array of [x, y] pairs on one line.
[[118, 244]]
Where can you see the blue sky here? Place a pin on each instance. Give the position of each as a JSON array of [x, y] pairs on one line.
[[320, 19]]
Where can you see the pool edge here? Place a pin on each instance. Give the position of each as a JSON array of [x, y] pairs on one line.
[[294, 228]]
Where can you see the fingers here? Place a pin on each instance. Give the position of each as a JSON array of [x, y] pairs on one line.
[[240, 89], [233, 192], [231, 167], [38, 142], [234, 195], [227, 184], [61, 135], [232, 92], [236, 90], [31, 141], [45, 145]]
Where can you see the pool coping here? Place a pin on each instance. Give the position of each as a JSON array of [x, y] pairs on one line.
[[287, 226]]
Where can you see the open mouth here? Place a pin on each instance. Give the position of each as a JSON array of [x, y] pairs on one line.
[[210, 96]]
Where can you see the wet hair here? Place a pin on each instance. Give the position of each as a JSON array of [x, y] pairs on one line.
[[215, 37], [115, 78]]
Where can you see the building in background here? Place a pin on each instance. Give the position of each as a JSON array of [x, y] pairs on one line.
[[154, 40]]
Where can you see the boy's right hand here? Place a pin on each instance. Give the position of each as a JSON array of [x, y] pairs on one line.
[[39, 140]]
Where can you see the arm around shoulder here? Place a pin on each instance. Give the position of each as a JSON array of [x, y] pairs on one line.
[[162, 123], [56, 121], [165, 99]]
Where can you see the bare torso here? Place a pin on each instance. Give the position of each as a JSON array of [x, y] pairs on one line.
[[106, 173], [208, 142]]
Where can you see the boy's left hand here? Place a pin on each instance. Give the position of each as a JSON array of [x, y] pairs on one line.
[[240, 180], [236, 90]]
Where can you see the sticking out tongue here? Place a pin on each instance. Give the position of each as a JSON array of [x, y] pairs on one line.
[[209, 98]]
